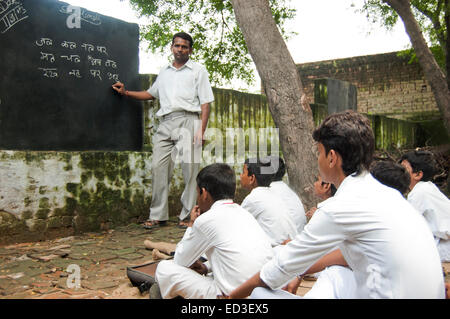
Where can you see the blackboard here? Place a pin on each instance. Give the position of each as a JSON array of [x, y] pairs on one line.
[[57, 65]]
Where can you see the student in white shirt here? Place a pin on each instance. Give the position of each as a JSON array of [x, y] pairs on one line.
[[268, 209], [428, 199], [338, 281], [233, 242], [288, 196], [387, 245]]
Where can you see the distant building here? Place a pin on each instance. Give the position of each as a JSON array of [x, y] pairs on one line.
[[387, 84]]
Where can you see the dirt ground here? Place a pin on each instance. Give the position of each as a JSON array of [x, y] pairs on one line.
[[42, 270]]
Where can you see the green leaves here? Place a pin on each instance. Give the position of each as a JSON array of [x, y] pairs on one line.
[[218, 41], [430, 15]]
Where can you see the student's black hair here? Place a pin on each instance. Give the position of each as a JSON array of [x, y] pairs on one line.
[[278, 167], [261, 168], [333, 189], [219, 180], [391, 174], [281, 171], [349, 134], [421, 161], [184, 36]]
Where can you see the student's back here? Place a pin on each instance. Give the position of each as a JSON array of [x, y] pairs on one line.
[[292, 202], [434, 206], [271, 213], [237, 246]]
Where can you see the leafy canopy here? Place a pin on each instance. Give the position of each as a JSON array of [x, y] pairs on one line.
[[218, 41], [430, 15]]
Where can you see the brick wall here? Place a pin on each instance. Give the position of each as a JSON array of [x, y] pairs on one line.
[[386, 84]]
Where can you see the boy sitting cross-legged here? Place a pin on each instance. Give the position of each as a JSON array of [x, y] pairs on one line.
[[233, 242]]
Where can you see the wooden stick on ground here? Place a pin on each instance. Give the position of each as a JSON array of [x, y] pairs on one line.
[[157, 255], [166, 248]]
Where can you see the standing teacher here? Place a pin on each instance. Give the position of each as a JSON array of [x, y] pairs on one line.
[[185, 94]]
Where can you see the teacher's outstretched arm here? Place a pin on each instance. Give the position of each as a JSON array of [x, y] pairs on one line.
[[119, 87]]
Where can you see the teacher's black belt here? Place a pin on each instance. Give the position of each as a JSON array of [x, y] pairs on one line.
[[178, 114]]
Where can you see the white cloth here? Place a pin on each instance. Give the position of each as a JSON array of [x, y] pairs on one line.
[[292, 201], [334, 282], [175, 280], [386, 243], [234, 244], [264, 293], [434, 206], [443, 247], [184, 89], [271, 213]]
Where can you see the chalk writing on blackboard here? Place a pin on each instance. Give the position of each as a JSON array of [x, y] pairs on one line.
[[48, 57], [44, 41], [11, 13], [101, 49], [50, 72], [87, 47], [87, 16], [72, 58], [94, 62], [75, 73], [114, 77], [96, 73], [111, 63], [68, 44]]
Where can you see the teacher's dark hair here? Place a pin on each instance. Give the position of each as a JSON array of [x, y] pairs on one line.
[[184, 36]]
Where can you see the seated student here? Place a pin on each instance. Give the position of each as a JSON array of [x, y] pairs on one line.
[[387, 245], [289, 197], [268, 209], [322, 190], [338, 281], [391, 174], [428, 199], [233, 242]]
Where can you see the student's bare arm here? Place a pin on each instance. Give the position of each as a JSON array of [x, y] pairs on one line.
[[247, 287], [333, 258]]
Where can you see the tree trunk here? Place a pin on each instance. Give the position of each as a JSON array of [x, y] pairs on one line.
[[447, 41], [433, 73], [287, 102]]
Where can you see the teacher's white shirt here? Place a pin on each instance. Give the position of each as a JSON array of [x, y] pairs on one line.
[[183, 89]]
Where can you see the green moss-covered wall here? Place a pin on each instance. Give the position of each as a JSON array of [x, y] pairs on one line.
[[59, 193]]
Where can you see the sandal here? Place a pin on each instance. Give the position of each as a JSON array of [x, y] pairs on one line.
[[152, 224], [183, 224]]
